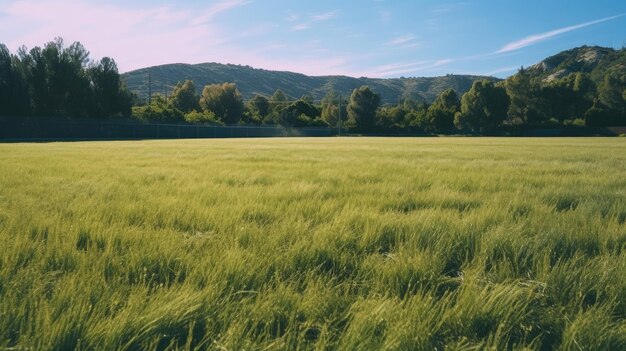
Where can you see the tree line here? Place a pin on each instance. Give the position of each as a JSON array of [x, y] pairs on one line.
[[59, 81], [62, 81], [518, 101]]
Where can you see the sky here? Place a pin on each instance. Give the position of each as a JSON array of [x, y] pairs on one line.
[[359, 38]]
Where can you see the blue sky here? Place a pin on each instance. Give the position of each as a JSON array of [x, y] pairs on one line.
[[374, 38]]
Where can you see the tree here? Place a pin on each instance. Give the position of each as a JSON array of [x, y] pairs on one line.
[[525, 103], [60, 81], [610, 107], [6, 72], [224, 100], [110, 95], [308, 98], [611, 93], [391, 117], [260, 105], [483, 108], [57, 79], [330, 108], [67, 81], [447, 100], [15, 97], [440, 115], [567, 98], [202, 117], [300, 114], [278, 101], [416, 115], [279, 96], [184, 97], [362, 109], [159, 110]]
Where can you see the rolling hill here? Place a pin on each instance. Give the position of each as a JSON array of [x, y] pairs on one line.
[[596, 61], [252, 81]]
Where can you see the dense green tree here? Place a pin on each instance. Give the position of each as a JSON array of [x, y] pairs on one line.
[[610, 107], [437, 120], [525, 104], [6, 73], [184, 97], [68, 86], [362, 108], [204, 117], [584, 86], [39, 82], [300, 114], [159, 110], [567, 98], [483, 108], [256, 110], [308, 98], [330, 115], [58, 80], [224, 100], [447, 100], [278, 97], [15, 99], [440, 115], [109, 93], [415, 119], [55, 80], [611, 92], [391, 118], [278, 101], [330, 108], [331, 98], [260, 105]]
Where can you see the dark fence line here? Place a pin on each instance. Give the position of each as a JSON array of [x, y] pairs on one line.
[[50, 129], [59, 129], [569, 132]]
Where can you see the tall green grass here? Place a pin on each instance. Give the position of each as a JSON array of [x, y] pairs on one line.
[[337, 243]]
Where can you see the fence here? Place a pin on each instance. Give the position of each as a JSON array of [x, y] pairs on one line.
[[17, 129], [49, 129]]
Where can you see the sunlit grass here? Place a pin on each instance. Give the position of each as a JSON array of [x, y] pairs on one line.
[[305, 243]]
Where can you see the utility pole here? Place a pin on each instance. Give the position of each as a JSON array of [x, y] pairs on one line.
[[149, 88]]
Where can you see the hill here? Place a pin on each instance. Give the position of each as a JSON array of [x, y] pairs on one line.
[[252, 81], [596, 61], [593, 60]]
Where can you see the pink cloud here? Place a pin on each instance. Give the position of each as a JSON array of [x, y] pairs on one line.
[[134, 37]]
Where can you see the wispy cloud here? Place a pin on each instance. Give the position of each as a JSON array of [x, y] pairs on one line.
[[321, 17], [325, 16], [502, 70], [403, 68], [217, 8], [403, 39], [385, 15], [292, 17], [257, 30], [536, 38], [448, 7]]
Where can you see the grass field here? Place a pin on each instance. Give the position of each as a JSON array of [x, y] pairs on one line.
[[335, 243]]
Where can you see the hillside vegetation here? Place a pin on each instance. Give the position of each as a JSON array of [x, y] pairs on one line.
[[303, 244], [582, 87], [595, 61], [251, 81]]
